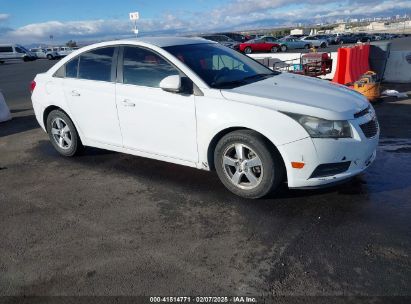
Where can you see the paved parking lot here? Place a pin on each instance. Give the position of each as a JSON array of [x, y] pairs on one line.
[[112, 224]]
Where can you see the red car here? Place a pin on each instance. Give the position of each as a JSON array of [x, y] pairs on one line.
[[259, 45]]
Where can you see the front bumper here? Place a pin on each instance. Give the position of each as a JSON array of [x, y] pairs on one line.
[[360, 151]]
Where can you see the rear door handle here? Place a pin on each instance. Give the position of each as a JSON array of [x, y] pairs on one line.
[[75, 93], [128, 103]]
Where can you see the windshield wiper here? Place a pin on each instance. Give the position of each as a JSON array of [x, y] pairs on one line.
[[259, 76], [240, 82], [232, 83]]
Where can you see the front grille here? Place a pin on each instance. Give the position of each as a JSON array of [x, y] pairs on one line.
[[330, 169], [362, 113], [370, 129]]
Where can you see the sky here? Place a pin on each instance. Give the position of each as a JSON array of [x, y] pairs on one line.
[[28, 21]]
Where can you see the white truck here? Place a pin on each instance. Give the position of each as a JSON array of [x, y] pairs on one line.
[[46, 53]]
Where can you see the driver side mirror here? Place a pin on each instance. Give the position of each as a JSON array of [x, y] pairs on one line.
[[171, 84]]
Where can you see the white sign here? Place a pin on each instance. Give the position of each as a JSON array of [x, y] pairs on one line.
[[134, 16]]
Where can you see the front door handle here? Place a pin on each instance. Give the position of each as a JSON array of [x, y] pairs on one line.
[[128, 103], [75, 93]]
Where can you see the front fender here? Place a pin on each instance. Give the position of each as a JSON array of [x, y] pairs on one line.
[[217, 115]]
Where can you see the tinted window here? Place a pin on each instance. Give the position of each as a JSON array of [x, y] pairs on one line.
[[6, 49], [145, 68], [72, 68], [96, 64], [19, 50]]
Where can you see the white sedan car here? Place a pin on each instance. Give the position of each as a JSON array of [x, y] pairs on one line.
[[197, 103]]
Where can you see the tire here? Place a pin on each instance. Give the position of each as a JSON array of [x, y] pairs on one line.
[[234, 173], [323, 45], [248, 50], [1, 61], [274, 49], [50, 57], [284, 48], [26, 59], [307, 46], [341, 42], [70, 145]]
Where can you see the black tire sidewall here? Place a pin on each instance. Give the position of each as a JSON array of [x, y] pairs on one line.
[[272, 164], [76, 142]]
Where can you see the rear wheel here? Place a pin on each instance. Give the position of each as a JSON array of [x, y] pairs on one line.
[[247, 165], [248, 50], [63, 135], [284, 48], [274, 49]]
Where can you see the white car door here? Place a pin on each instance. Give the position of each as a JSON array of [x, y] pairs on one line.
[[152, 120], [89, 88]]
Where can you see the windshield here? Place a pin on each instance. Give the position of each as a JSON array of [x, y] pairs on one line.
[[220, 67]]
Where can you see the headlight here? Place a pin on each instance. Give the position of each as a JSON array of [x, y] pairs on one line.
[[322, 128]]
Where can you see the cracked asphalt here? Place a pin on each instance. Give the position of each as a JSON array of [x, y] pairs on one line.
[[107, 223]]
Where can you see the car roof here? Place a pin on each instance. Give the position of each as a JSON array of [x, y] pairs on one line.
[[171, 41]]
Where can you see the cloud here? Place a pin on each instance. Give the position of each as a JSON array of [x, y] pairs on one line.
[[3, 17], [235, 15]]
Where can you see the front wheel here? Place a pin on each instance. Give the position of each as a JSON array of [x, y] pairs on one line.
[[63, 134], [247, 165], [274, 49], [248, 50], [284, 48], [323, 45]]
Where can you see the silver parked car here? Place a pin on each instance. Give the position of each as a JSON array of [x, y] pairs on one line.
[[289, 43], [316, 42]]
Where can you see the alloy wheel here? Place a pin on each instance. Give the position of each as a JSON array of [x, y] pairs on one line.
[[61, 133], [243, 166]]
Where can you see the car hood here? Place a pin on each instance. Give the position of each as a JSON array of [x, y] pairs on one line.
[[301, 95]]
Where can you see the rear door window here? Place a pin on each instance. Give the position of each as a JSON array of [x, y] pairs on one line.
[[96, 64], [72, 68]]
